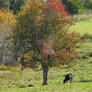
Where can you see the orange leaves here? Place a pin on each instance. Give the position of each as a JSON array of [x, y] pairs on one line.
[[80, 41], [47, 50], [71, 56], [69, 21], [25, 57]]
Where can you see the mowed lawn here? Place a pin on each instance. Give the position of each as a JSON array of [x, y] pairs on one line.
[[12, 80]]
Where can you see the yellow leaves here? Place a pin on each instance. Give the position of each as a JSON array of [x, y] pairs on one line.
[[32, 8], [7, 18], [23, 11]]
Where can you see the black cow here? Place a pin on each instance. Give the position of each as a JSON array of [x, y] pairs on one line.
[[68, 77]]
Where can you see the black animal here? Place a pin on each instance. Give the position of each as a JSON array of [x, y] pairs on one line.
[[30, 85], [68, 77]]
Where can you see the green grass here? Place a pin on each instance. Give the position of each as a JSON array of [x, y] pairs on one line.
[[82, 79], [82, 17], [83, 27], [11, 78]]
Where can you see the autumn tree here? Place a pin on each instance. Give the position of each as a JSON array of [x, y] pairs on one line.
[[7, 20], [42, 38]]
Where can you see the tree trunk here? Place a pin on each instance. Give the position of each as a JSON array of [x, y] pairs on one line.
[[22, 67], [45, 75]]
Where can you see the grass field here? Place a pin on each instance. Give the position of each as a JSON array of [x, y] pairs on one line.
[[82, 79], [84, 26], [12, 80]]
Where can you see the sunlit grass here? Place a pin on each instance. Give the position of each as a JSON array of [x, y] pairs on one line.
[[83, 27]]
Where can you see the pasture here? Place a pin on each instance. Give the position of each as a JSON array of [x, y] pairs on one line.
[[12, 80], [83, 24]]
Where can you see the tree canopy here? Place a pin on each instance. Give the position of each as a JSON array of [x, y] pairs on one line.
[[87, 4], [15, 5]]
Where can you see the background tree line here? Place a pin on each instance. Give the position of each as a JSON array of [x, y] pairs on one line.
[[73, 6], [13, 5], [77, 6]]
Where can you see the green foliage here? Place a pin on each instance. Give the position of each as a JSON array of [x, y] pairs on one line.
[[87, 4], [15, 5], [73, 6]]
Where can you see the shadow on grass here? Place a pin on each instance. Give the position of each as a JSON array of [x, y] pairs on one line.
[[2, 69], [90, 62], [87, 37], [82, 81]]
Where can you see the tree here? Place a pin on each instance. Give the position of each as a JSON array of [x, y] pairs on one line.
[[7, 20], [87, 4], [73, 6], [12, 2], [15, 5], [41, 36]]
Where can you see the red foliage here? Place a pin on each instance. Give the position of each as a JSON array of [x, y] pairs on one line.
[[47, 49], [51, 1], [71, 56], [55, 4], [74, 34], [80, 41], [67, 20]]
